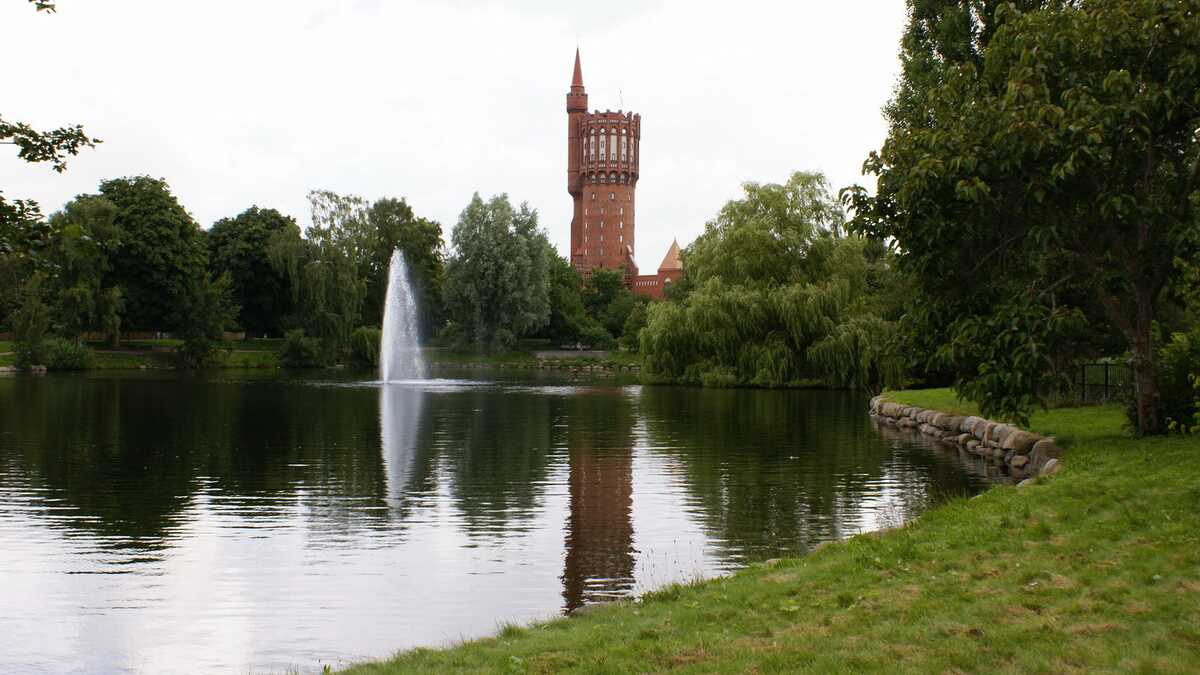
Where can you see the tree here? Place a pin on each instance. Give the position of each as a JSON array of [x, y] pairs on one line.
[[238, 247], [777, 296], [394, 226], [85, 235], [497, 278], [568, 317], [608, 300], [161, 251], [206, 310], [327, 268], [1063, 156]]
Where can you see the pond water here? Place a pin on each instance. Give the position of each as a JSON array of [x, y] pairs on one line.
[[234, 523]]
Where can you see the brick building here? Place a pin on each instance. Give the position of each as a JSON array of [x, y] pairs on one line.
[[603, 156]]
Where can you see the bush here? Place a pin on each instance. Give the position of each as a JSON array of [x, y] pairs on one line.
[[60, 354], [364, 346], [595, 336], [1178, 369], [30, 322], [301, 351]]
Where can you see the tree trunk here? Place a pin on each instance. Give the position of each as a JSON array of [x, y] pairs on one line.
[[1145, 375]]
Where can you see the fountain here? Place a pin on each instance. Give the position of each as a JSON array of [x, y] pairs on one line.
[[400, 349]]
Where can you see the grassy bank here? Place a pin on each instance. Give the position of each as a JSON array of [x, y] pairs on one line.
[[1096, 569]]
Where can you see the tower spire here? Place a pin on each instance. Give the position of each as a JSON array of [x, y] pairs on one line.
[[577, 78]]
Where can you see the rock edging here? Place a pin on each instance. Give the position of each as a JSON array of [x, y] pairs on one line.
[[1024, 453]]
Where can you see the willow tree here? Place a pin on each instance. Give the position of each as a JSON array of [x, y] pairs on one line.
[[497, 277], [1063, 153], [327, 267], [776, 295]]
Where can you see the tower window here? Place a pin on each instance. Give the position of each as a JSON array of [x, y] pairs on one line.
[[613, 144], [593, 196], [612, 195], [622, 210], [622, 148], [621, 238], [603, 146], [622, 224]]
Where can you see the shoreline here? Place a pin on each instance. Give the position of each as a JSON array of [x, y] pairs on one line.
[[1060, 574]]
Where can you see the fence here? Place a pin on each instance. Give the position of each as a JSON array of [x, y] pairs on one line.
[[1103, 382]]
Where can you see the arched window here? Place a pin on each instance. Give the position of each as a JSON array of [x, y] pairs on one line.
[[603, 148], [623, 142], [613, 144], [592, 152]]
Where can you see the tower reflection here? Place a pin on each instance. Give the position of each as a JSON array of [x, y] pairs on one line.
[[599, 540]]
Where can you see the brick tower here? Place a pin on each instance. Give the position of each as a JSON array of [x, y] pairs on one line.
[[602, 173]]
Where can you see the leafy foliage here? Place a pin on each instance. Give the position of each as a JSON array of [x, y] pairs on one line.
[[207, 309], [393, 226], [497, 279], [238, 247], [160, 255], [31, 322], [327, 268], [364, 346], [300, 351], [776, 297], [1072, 168]]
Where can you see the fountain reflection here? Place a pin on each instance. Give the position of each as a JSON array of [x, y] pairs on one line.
[[400, 410]]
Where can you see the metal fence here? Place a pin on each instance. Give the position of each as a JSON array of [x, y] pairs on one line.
[[1103, 382]]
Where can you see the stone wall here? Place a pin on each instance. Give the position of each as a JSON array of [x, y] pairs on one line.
[[1023, 454]]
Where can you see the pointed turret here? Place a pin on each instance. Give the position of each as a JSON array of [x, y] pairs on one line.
[[671, 260], [577, 97]]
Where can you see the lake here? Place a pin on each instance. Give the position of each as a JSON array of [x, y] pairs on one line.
[[157, 522]]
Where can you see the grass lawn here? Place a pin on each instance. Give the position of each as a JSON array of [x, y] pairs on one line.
[[1096, 569], [5, 346]]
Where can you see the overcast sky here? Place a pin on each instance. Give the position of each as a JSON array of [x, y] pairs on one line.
[[238, 103]]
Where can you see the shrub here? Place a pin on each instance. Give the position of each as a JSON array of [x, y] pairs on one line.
[[30, 322], [364, 346], [60, 354], [301, 351], [1178, 368]]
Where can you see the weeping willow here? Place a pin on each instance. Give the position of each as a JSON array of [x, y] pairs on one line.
[[778, 298]]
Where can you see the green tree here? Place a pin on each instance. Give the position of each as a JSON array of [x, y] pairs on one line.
[[161, 252], [327, 268], [238, 247], [393, 226], [31, 321], [568, 316], [608, 300], [497, 278], [1075, 168], [85, 236], [206, 310], [777, 295]]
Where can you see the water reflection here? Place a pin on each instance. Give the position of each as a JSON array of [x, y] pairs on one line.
[[152, 522], [400, 409]]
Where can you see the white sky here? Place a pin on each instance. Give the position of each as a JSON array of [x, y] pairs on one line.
[[237, 103]]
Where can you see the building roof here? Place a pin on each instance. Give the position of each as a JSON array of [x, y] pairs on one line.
[[671, 261], [577, 78]]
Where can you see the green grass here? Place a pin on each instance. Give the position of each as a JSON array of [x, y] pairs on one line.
[[6, 346], [1096, 569], [130, 360]]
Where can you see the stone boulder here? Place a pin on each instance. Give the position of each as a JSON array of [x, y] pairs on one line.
[[1044, 451], [979, 429], [1020, 442], [968, 424], [1018, 461], [1050, 468]]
